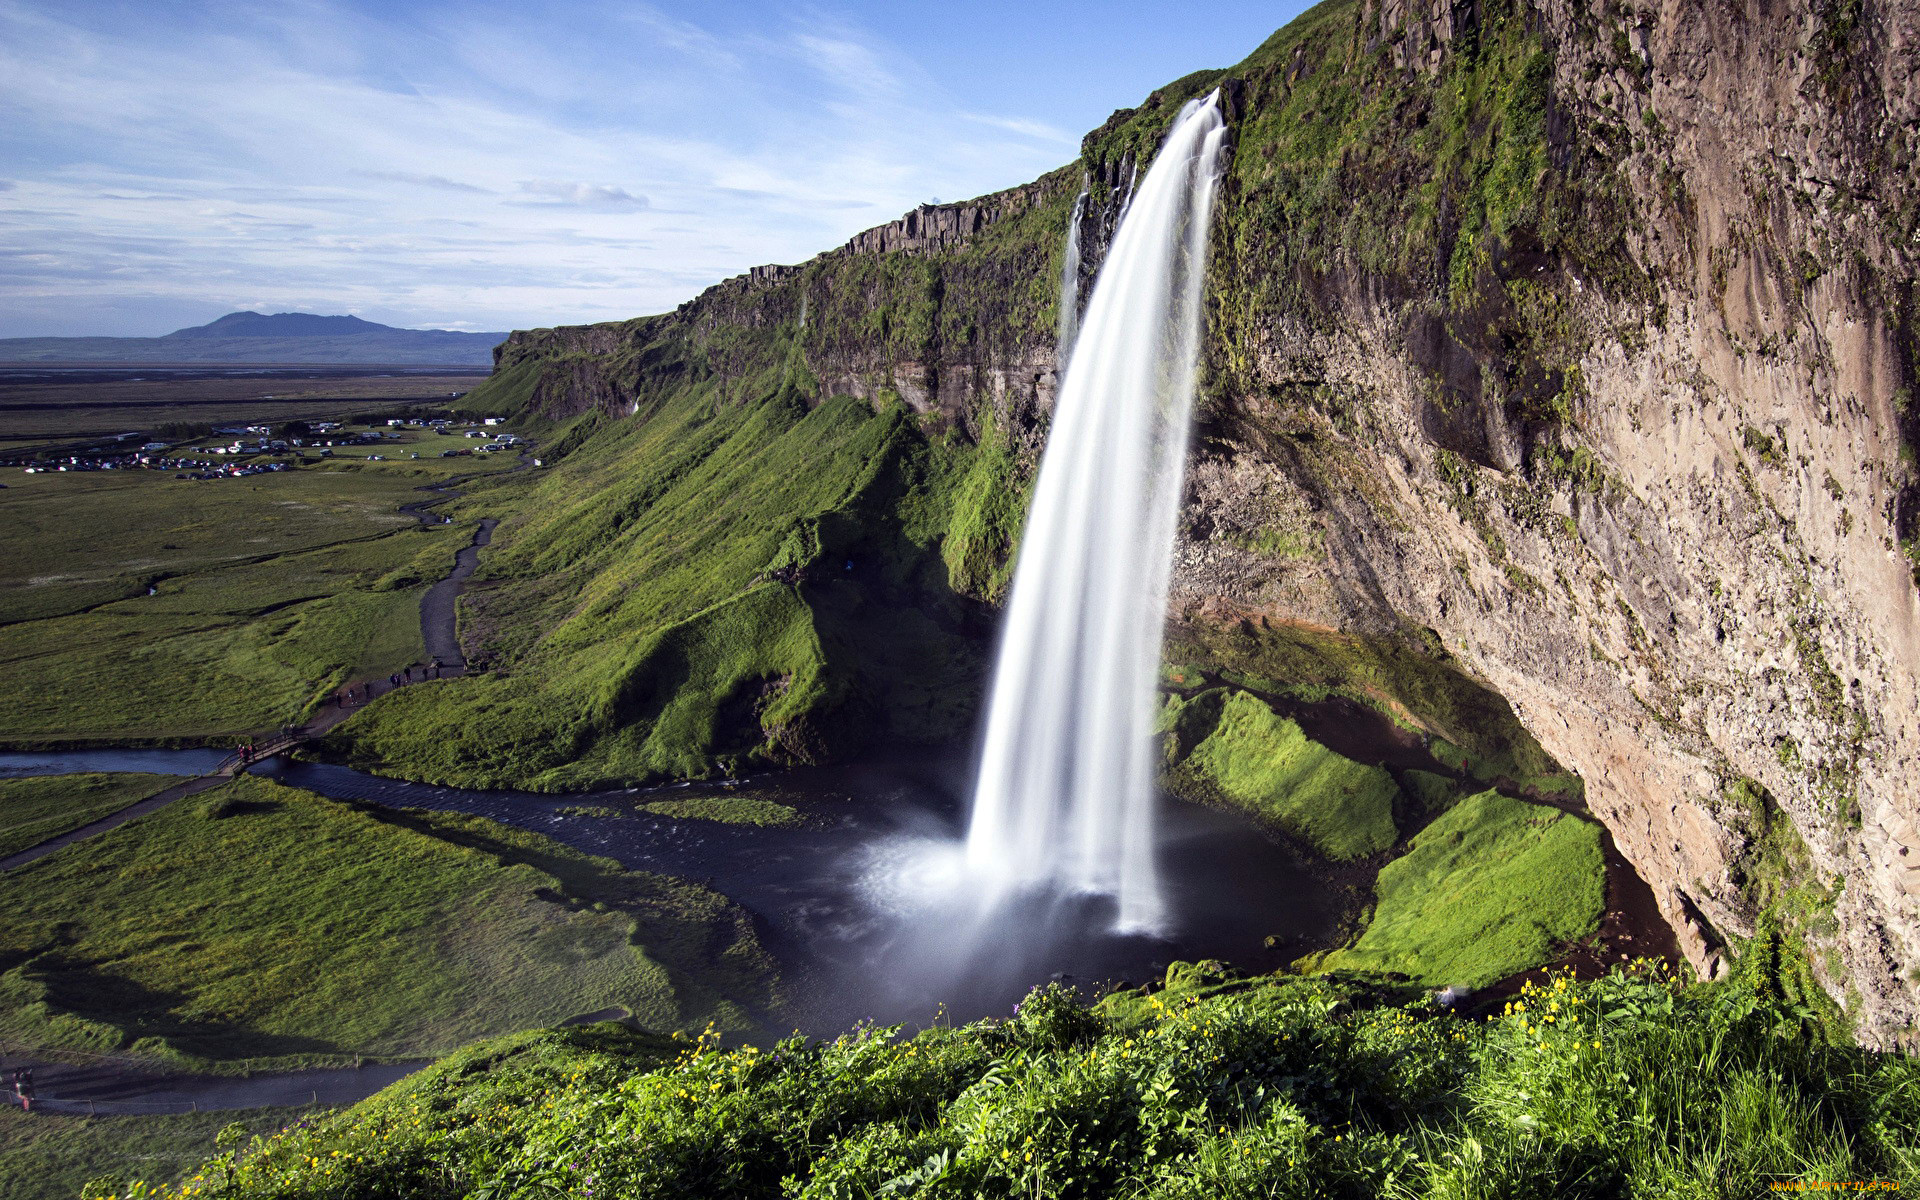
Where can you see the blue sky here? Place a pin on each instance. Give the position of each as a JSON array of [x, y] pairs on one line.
[[498, 165]]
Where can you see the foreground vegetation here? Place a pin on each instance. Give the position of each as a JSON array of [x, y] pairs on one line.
[[1637, 1084], [256, 924]]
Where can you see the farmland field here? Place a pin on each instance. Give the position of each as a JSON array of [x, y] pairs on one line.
[[38, 404], [137, 605]]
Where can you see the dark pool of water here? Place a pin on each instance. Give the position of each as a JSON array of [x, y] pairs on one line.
[[852, 903]]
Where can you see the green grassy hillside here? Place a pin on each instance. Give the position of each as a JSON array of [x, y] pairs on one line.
[[1492, 887], [714, 585], [1208, 1088]]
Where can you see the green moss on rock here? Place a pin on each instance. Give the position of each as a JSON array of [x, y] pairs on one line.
[[1492, 887], [1257, 760]]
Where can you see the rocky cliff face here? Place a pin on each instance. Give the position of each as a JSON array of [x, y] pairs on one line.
[[1658, 503], [1570, 345]]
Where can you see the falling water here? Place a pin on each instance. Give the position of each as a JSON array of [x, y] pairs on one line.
[[1064, 801], [1070, 286]]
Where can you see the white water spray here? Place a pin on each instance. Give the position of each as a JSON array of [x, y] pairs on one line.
[[1064, 801], [1070, 288]]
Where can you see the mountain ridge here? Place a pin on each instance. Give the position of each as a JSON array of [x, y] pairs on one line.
[[253, 338]]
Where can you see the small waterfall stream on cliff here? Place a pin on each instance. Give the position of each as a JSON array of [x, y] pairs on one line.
[[1065, 796], [1070, 285]]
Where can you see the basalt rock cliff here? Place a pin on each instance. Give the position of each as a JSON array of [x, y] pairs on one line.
[[1555, 350]]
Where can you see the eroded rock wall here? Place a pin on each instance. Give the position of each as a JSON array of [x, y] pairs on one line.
[[1695, 575]]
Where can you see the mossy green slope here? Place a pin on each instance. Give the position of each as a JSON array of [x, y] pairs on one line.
[[1212, 1088], [1240, 751], [1492, 887], [257, 922], [715, 584]]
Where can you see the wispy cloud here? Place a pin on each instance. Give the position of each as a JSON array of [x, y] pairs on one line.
[[488, 165], [428, 181], [580, 195], [1039, 130]]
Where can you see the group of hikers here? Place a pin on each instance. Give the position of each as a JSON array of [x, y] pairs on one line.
[[350, 696], [364, 693]]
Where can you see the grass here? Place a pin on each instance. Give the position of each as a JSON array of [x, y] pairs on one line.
[[1410, 677], [44, 806], [1492, 887], [256, 924], [1634, 1085], [733, 810], [1244, 753], [143, 608], [78, 540], [51, 1158]]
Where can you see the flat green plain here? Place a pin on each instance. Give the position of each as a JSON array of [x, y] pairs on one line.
[[138, 607], [257, 925], [44, 806]]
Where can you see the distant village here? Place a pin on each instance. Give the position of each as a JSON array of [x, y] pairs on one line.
[[256, 450]]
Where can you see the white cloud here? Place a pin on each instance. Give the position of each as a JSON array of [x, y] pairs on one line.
[[604, 164], [582, 195], [428, 181], [1039, 130]]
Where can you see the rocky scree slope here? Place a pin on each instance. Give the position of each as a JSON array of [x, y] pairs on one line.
[[1569, 348]]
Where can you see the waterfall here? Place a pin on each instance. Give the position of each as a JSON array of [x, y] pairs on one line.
[[1070, 287], [1064, 800]]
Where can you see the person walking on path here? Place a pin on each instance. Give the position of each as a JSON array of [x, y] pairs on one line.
[[23, 1087]]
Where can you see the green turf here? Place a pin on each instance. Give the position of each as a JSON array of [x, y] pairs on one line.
[[1212, 1089], [43, 806], [733, 810], [1492, 887], [1434, 792], [46, 1157], [1244, 753], [258, 922]]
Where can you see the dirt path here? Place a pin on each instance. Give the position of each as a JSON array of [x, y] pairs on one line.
[[138, 809], [109, 1088], [439, 626]]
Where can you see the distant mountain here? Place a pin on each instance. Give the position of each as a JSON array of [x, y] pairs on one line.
[[251, 337]]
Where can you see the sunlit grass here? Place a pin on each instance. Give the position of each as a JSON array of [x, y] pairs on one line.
[[1635, 1085]]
